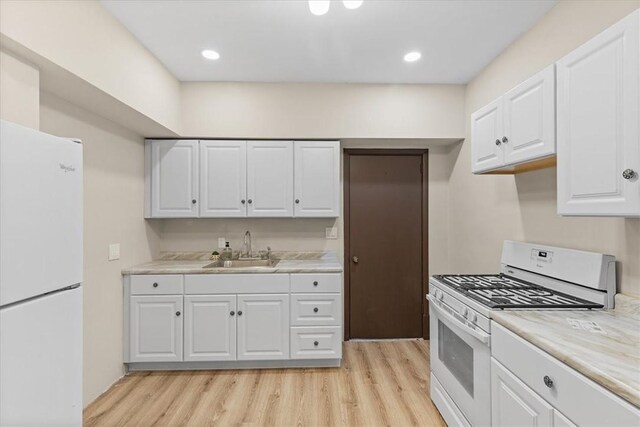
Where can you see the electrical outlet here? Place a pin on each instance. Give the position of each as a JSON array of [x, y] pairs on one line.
[[331, 232], [114, 251], [221, 242]]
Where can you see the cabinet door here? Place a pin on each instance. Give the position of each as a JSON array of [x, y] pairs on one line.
[[270, 178], [598, 124], [263, 327], [317, 178], [174, 178], [210, 327], [515, 404], [156, 328], [486, 137], [223, 178], [530, 119]]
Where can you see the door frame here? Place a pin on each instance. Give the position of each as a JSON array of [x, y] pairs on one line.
[[348, 152]]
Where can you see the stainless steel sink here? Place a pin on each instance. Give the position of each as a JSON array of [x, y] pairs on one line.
[[244, 263]]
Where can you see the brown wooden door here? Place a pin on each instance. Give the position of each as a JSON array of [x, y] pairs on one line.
[[386, 215]]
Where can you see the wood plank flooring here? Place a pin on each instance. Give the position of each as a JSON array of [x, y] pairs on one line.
[[383, 383]]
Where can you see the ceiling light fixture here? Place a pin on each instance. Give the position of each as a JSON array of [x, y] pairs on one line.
[[412, 56], [210, 54], [352, 4], [319, 7]]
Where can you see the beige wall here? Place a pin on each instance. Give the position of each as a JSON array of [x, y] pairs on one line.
[[485, 210], [292, 110], [82, 38], [19, 91], [113, 194]]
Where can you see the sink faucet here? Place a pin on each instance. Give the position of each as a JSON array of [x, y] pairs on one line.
[[246, 246]]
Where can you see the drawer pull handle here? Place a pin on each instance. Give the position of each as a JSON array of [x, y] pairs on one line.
[[233, 313], [315, 283], [240, 313], [178, 313], [315, 343], [155, 285], [548, 381], [315, 309]]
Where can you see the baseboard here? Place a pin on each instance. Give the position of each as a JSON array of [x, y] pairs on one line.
[[236, 364]]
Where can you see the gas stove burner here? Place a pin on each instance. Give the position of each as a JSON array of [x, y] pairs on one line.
[[500, 291]]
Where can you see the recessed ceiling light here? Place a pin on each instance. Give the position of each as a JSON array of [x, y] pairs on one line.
[[319, 7], [352, 4], [412, 56], [210, 54]]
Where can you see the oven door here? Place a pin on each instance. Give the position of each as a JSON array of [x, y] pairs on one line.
[[461, 360]]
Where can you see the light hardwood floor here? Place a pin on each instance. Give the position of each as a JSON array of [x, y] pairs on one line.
[[379, 383]]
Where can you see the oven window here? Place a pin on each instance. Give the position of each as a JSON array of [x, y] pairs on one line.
[[456, 355]]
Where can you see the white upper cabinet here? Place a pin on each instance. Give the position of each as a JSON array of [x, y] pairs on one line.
[[173, 178], [529, 119], [486, 135], [516, 128], [223, 184], [598, 124], [317, 178], [270, 178]]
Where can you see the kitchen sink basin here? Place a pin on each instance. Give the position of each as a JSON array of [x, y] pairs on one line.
[[244, 263]]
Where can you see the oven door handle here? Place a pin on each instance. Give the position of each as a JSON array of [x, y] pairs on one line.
[[483, 337]]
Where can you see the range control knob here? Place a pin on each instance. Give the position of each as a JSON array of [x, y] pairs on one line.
[[465, 312], [440, 295], [473, 318]]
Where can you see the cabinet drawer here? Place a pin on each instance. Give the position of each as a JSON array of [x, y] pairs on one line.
[[569, 390], [328, 282], [163, 284], [316, 342], [206, 284], [316, 309]]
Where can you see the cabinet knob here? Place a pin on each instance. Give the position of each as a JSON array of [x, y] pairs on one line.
[[155, 285], [315, 309], [239, 312], [505, 139], [193, 201], [249, 201], [628, 174], [297, 200], [178, 313], [316, 343], [548, 381], [315, 283], [498, 142], [243, 201], [233, 313]]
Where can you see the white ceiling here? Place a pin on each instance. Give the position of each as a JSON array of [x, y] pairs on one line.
[[281, 41]]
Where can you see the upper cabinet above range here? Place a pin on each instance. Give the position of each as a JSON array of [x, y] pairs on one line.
[[231, 178], [517, 128], [599, 124]]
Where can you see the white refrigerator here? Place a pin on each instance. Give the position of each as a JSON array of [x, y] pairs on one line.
[[40, 278]]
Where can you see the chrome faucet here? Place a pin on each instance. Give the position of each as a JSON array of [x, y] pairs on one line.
[[246, 246]]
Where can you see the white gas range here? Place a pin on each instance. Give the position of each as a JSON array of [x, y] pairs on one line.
[[532, 277]]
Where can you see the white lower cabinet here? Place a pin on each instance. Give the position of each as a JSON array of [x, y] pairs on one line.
[[515, 404], [529, 387], [209, 327], [263, 327], [155, 328], [232, 319]]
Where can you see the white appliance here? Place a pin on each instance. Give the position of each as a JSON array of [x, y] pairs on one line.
[[40, 278], [533, 277]]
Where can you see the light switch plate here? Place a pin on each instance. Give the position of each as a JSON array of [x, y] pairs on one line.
[[114, 251], [221, 242], [331, 232]]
